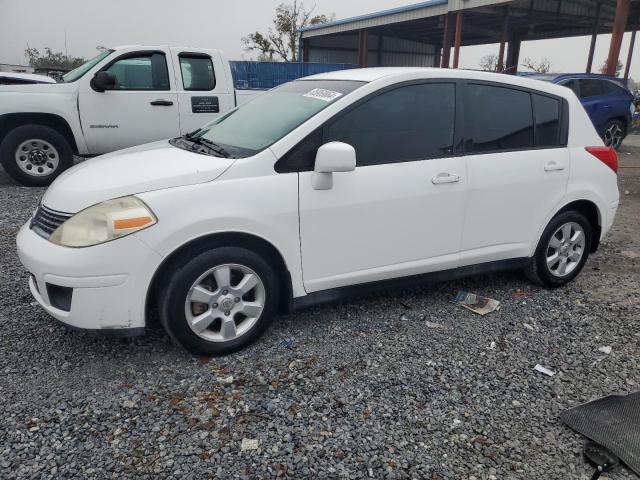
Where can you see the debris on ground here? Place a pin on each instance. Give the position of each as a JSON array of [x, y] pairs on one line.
[[249, 444], [630, 254], [545, 370], [227, 380], [529, 327], [605, 349], [520, 294], [432, 324], [492, 346], [476, 303]]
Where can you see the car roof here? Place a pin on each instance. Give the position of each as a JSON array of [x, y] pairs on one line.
[[379, 73], [553, 77]]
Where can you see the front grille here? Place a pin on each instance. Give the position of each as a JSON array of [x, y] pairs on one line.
[[45, 221]]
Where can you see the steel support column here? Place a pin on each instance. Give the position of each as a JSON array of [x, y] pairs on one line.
[[594, 37], [619, 25], [627, 67], [447, 39], [458, 40], [513, 55], [503, 40], [363, 48]]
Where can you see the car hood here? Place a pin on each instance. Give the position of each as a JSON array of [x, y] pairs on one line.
[[135, 170]]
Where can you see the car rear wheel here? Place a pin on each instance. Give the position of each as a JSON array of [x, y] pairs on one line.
[[35, 155], [613, 133], [220, 301], [563, 250]]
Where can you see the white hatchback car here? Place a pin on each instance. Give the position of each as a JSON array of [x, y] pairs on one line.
[[326, 186]]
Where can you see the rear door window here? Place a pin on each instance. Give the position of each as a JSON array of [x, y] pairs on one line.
[[573, 85], [498, 119], [197, 72], [591, 88]]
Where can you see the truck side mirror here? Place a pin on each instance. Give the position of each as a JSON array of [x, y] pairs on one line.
[[102, 81]]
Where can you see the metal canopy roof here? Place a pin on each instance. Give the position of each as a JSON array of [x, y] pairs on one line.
[[483, 23]]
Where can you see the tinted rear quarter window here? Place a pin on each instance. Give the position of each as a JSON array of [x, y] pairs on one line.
[[498, 118], [547, 116]]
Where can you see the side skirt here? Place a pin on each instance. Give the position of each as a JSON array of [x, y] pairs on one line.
[[345, 293]]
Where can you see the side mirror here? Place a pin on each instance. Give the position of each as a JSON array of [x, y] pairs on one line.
[[102, 81], [332, 157]]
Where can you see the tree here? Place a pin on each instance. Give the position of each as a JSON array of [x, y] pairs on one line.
[[603, 68], [51, 59], [489, 63], [542, 66], [283, 38]]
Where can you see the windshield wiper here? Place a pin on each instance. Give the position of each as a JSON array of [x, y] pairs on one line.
[[211, 145]]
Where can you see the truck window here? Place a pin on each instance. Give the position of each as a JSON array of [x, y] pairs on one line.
[[141, 72], [197, 72]]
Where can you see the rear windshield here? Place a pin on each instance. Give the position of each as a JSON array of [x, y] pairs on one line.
[[273, 114]]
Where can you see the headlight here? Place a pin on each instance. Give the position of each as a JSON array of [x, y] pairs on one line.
[[104, 222]]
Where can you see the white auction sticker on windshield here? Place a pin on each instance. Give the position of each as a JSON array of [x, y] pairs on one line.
[[322, 94]]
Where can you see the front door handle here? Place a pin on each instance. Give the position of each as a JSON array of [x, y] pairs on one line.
[[553, 166], [445, 177], [162, 103]]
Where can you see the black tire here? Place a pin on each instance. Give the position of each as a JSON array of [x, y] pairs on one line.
[[11, 143], [179, 282], [614, 133], [538, 271]]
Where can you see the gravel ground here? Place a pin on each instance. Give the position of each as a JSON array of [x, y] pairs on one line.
[[398, 386]]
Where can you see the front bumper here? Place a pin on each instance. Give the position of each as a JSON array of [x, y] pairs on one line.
[[103, 287]]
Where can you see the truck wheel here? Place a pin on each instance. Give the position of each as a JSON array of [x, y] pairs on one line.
[[35, 155], [614, 133], [219, 301]]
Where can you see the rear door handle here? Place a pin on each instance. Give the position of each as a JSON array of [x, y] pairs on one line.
[[553, 166], [162, 103], [445, 177]]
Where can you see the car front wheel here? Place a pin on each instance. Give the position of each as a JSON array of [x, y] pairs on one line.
[[562, 251], [220, 301]]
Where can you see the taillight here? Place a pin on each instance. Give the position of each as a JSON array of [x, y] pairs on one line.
[[606, 155]]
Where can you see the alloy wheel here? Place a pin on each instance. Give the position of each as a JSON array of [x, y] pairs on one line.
[[225, 302], [565, 249], [613, 135]]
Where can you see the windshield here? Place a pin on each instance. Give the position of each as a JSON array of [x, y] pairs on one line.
[[271, 115], [76, 73]]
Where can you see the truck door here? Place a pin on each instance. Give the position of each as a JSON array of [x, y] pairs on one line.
[[141, 107], [204, 93]]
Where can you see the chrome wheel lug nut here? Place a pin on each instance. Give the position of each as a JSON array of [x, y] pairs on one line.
[[227, 313], [224, 292], [215, 305], [237, 299]]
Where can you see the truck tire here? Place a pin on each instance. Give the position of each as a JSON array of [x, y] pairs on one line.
[[34, 155]]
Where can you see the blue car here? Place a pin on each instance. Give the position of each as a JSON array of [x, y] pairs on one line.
[[606, 99]]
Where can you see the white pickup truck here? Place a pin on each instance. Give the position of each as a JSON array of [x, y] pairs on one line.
[[123, 97]]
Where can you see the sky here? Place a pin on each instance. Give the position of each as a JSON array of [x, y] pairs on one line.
[[78, 26]]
